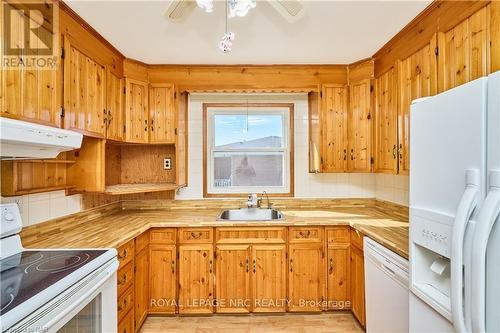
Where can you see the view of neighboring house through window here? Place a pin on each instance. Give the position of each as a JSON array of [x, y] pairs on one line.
[[248, 149]]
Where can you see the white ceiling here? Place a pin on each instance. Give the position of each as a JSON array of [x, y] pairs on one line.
[[330, 32]]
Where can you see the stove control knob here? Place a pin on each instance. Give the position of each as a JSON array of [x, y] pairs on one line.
[[8, 217]]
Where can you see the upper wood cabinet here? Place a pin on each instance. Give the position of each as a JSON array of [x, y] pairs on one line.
[[136, 111], [417, 77], [30, 94], [115, 107], [386, 123], [333, 122], [84, 92], [464, 51], [359, 125], [162, 113]]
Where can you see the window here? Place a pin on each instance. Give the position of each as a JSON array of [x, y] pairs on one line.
[[248, 148]]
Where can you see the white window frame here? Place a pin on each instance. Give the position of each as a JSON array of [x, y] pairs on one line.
[[284, 111]]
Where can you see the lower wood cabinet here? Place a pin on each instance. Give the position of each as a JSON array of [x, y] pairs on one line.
[[126, 325], [163, 286], [196, 278], [141, 286], [233, 278], [337, 278], [358, 279], [305, 277]]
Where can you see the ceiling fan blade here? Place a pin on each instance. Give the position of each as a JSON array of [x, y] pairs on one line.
[[178, 10], [292, 10]]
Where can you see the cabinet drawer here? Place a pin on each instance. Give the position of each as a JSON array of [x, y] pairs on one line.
[[125, 303], [126, 253], [357, 238], [141, 241], [196, 235], [306, 234], [126, 325], [338, 234], [250, 235], [125, 277], [162, 236]]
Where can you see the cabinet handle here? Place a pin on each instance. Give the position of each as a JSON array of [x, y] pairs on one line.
[[331, 265], [120, 307], [196, 236], [123, 280], [152, 125], [173, 266], [210, 266], [345, 154], [110, 117], [122, 256], [254, 266], [146, 125], [291, 265], [400, 151], [305, 234], [248, 265], [394, 152]]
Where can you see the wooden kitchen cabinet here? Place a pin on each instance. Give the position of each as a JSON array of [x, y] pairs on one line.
[[338, 261], [136, 111], [162, 113], [333, 122], [115, 107], [141, 280], [84, 92], [357, 277], [163, 281], [417, 77], [359, 127], [30, 94], [269, 264], [233, 278], [386, 123], [196, 278], [464, 51]]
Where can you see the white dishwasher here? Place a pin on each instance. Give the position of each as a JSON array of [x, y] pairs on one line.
[[386, 289]]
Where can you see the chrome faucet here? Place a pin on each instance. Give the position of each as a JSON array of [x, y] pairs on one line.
[[252, 201], [269, 204]]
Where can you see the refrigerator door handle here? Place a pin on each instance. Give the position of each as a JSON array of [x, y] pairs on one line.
[[486, 220], [467, 204]]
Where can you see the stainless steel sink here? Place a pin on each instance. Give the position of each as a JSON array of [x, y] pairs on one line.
[[251, 214]]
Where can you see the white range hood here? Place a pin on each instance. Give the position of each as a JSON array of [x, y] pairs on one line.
[[24, 140]]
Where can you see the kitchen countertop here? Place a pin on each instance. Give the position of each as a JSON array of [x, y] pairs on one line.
[[385, 224]]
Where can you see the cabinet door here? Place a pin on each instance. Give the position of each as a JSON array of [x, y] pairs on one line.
[[359, 154], [269, 278], [233, 278], [386, 123], [136, 111], [305, 277], [115, 109], [162, 113], [29, 93], [464, 51], [141, 286], [358, 284], [338, 279], [181, 143], [84, 92], [196, 280], [417, 77], [163, 278], [334, 128]]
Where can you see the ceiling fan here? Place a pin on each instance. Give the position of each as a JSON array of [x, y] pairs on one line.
[[178, 10]]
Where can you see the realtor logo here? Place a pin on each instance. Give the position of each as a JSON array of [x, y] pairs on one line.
[[29, 34]]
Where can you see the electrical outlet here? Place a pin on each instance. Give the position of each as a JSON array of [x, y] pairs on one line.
[[167, 163]]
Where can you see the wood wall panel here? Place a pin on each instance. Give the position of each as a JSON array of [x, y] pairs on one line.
[[334, 128], [300, 78]]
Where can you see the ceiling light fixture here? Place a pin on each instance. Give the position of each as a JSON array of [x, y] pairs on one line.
[[207, 5], [240, 7]]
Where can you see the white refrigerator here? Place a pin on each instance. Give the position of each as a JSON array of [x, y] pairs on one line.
[[454, 209]]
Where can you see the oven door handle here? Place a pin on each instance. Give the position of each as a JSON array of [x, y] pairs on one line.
[[105, 274]]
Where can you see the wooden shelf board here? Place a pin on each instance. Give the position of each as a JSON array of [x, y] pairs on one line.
[[138, 188], [45, 161]]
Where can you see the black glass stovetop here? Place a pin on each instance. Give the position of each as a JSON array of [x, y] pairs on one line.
[[26, 274]]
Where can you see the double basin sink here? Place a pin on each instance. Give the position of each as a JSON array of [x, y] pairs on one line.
[[251, 214]]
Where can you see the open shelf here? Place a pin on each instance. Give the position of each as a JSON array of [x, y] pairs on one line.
[[120, 189]]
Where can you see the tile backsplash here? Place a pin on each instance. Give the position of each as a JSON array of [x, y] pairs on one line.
[[393, 188], [40, 207]]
